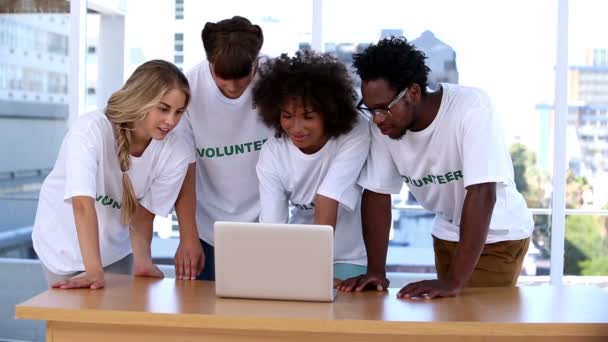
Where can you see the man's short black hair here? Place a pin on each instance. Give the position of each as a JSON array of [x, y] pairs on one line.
[[396, 61], [319, 80]]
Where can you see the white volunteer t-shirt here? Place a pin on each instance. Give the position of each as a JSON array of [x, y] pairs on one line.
[[289, 176], [88, 165], [227, 135], [464, 145]]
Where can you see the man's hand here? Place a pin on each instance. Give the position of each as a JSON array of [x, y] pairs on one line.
[[189, 256], [93, 280], [429, 289], [189, 259], [367, 281], [147, 269]]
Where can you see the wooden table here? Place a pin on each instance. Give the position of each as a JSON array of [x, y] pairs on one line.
[[145, 309]]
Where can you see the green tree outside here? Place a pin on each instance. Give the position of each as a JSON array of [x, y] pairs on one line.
[[586, 244]]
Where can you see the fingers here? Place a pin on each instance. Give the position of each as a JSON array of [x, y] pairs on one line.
[[97, 285], [417, 292], [363, 282], [337, 283], [75, 283], [179, 266], [58, 284], [187, 268], [422, 289], [382, 284], [408, 290], [189, 262], [433, 293], [349, 284], [367, 281]]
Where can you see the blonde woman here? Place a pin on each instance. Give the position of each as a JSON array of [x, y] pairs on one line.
[[115, 171]]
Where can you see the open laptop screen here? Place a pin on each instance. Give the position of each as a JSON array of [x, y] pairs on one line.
[[274, 261]]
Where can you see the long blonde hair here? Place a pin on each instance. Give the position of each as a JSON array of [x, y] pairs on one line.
[[142, 91]]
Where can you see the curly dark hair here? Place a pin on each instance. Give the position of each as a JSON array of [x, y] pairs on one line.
[[396, 61], [320, 80]]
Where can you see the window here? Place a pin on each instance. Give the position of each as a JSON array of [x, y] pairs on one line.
[[586, 251], [476, 58], [33, 115], [33, 84]]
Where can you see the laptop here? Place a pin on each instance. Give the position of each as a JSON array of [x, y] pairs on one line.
[[274, 261]]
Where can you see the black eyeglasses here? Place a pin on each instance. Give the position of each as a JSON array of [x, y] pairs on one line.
[[385, 113]]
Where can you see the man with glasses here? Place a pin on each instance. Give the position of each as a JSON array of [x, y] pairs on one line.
[[447, 146]]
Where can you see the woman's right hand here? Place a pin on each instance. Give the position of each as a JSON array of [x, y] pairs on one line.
[[92, 280]]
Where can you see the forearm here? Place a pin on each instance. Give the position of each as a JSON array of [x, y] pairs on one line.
[[376, 220], [185, 206], [141, 233], [474, 226], [87, 229], [326, 211]]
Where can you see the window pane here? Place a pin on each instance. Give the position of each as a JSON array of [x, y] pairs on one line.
[[586, 250], [284, 27], [586, 245], [515, 67], [33, 112], [587, 137], [92, 61]]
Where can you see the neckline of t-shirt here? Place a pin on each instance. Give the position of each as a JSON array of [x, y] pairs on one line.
[[151, 146], [442, 108], [303, 155], [218, 93], [133, 159]]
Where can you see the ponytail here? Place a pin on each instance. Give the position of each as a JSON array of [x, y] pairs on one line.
[[129, 202]]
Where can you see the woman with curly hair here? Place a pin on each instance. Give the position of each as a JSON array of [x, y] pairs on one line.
[[315, 157]]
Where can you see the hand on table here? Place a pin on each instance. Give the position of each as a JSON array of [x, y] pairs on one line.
[[189, 260], [368, 281], [94, 280], [429, 289]]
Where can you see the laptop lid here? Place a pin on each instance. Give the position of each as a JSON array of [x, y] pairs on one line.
[[274, 261]]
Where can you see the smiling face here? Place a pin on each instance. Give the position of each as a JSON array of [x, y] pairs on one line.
[[303, 125], [163, 117], [378, 94]]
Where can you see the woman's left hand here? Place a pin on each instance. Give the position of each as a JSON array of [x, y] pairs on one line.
[[148, 269]]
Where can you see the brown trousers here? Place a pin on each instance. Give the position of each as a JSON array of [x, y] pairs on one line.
[[499, 264]]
